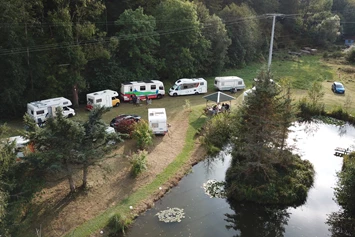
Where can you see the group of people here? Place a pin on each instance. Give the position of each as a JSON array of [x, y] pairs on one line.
[[136, 100], [217, 108]]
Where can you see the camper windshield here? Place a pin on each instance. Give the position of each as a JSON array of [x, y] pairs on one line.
[[91, 101], [174, 87]]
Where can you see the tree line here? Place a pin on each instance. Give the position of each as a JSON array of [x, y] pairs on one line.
[[68, 48]]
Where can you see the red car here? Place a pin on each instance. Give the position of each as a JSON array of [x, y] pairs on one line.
[[123, 123]]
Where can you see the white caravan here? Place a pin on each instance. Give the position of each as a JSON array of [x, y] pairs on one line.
[[157, 120], [152, 89], [186, 86], [39, 111], [105, 98], [229, 83]]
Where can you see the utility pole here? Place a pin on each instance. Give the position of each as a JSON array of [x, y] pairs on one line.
[[272, 38]]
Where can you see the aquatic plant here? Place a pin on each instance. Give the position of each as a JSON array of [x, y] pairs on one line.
[[214, 188], [171, 215]]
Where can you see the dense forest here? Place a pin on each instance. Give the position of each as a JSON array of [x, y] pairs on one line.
[[68, 48]]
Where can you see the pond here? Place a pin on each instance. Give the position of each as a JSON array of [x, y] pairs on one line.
[[206, 216]]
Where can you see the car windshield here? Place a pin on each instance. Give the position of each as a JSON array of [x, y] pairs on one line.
[[339, 86]]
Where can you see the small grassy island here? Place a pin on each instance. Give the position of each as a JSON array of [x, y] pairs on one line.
[[263, 169]]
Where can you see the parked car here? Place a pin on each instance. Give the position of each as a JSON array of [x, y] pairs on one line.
[[123, 123], [338, 87]]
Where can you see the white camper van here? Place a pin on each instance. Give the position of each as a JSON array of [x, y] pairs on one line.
[[105, 98], [152, 89], [229, 83], [157, 120], [186, 86], [41, 110]]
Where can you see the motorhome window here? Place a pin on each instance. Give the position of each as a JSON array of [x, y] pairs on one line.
[[65, 108], [215, 82], [161, 87], [153, 87], [98, 100], [65, 103], [91, 101], [130, 89], [40, 112], [31, 112], [185, 87], [142, 88], [240, 83], [202, 83], [155, 125]]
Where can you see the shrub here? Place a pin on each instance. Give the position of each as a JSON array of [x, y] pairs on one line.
[[217, 133], [350, 56], [337, 54], [139, 162], [307, 110], [118, 223], [142, 134], [125, 126]]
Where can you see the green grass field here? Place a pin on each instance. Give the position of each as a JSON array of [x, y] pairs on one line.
[[300, 71]]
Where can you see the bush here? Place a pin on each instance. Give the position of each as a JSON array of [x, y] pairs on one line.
[[139, 162], [350, 56], [307, 110], [217, 133], [142, 134], [337, 54], [125, 126], [117, 224]]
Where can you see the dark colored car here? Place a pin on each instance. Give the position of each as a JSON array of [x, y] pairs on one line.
[[338, 87], [123, 123]]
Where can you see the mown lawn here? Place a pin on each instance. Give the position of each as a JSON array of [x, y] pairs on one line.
[[300, 71]]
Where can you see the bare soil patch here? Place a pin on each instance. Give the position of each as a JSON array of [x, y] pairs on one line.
[[110, 182]]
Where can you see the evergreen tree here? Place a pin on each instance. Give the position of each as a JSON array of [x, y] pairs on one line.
[[262, 163]]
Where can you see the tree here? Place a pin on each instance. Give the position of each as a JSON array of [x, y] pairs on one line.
[[77, 40], [316, 94], [349, 17], [182, 45], [97, 142], [262, 165], [57, 144], [215, 32], [138, 43], [63, 145], [7, 163], [243, 29]]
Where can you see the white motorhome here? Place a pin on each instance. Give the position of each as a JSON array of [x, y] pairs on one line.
[[39, 111], [187, 86], [152, 89], [157, 120], [229, 83], [105, 98]]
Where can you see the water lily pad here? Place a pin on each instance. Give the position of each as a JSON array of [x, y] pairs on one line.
[[214, 188], [171, 215]]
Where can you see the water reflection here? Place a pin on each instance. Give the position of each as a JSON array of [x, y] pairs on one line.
[[257, 221], [211, 217]]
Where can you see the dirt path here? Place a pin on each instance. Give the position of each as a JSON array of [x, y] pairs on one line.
[[110, 182]]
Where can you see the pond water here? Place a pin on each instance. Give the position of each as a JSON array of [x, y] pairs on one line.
[[205, 216]]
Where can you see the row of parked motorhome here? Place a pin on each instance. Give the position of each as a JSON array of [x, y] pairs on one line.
[[152, 89]]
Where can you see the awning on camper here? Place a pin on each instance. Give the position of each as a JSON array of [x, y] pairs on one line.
[[219, 97]]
